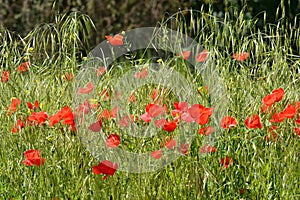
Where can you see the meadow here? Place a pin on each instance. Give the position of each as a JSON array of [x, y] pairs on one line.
[[256, 149]]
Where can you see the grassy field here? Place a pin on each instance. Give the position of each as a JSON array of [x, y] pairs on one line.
[[252, 159]]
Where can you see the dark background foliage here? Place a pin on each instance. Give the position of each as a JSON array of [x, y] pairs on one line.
[[111, 16]]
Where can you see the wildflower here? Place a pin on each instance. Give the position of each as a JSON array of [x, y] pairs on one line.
[[33, 157], [68, 76], [141, 74], [15, 102], [39, 118], [277, 117], [185, 54], [275, 96], [113, 141], [152, 111], [169, 126], [298, 121], [253, 122], [5, 76], [226, 162], [160, 122], [201, 57], [228, 122], [23, 67], [17, 128], [183, 148], [290, 111], [206, 130], [157, 154], [100, 71], [105, 167], [297, 131], [170, 143], [207, 149], [33, 107], [242, 56], [96, 126], [116, 40], [86, 90]]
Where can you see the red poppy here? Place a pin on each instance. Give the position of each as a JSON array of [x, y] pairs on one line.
[[33, 157], [5, 76], [206, 130], [23, 67], [106, 114], [113, 141], [183, 148], [17, 128], [204, 116], [39, 118], [33, 107], [228, 122], [170, 143], [242, 56], [96, 126], [124, 122], [105, 167], [226, 162], [141, 74], [155, 110], [207, 149], [68, 116], [100, 71], [68, 76], [275, 96], [253, 122], [169, 126], [54, 119], [114, 112], [157, 154], [185, 54], [277, 117], [297, 131], [290, 111], [201, 57], [86, 90], [14, 103], [116, 40], [195, 110], [83, 108], [181, 106], [160, 122], [298, 120]]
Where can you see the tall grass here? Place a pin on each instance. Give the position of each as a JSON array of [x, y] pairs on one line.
[[262, 169]]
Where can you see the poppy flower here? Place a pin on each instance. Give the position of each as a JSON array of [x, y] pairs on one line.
[[86, 90], [68, 116], [54, 119], [96, 126], [253, 122], [33, 157], [290, 111], [155, 110], [206, 130], [183, 148], [113, 141], [106, 114], [83, 108], [195, 110], [275, 96], [298, 121], [68, 76], [185, 54], [116, 40], [157, 154], [15, 102], [100, 71], [124, 122], [169, 126], [38, 117], [228, 122], [5, 76], [17, 128], [160, 122], [207, 149], [297, 131], [141, 74], [33, 107], [23, 67], [242, 56], [181, 106], [277, 117], [114, 112], [201, 57], [226, 162], [170, 143], [204, 116], [105, 167]]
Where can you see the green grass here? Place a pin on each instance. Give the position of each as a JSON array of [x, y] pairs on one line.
[[264, 169]]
